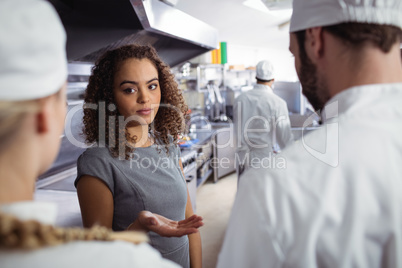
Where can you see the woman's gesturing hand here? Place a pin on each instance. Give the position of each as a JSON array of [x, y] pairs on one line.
[[149, 221]]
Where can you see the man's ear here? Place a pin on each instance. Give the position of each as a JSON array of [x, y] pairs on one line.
[[314, 43]]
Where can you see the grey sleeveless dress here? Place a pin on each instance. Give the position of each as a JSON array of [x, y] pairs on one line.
[[152, 180]]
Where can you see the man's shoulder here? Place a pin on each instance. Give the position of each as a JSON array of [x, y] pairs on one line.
[[254, 96]]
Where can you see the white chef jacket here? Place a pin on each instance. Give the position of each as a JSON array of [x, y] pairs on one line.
[[337, 207], [261, 120], [76, 254]]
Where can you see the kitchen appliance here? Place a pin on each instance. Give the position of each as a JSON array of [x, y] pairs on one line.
[[188, 160], [94, 27], [224, 150], [215, 104], [291, 92]]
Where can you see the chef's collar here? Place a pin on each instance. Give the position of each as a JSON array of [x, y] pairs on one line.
[[43, 212], [357, 98], [263, 87]]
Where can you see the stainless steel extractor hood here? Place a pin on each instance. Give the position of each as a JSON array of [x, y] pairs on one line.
[[94, 26]]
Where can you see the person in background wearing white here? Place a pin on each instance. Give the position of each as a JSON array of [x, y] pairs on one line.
[[261, 121], [338, 203], [33, 73]]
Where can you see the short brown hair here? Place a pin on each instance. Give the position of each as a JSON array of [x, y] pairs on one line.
[[357, 35]]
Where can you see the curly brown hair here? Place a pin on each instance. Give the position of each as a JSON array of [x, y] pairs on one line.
[[101, 124]]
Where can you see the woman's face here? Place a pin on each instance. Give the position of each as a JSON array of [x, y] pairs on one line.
[[137, 92]]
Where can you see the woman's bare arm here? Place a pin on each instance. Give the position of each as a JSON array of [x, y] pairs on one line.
[[96, 202]]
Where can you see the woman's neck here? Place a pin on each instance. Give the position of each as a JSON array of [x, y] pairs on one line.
[[17, 177], [140, 134]]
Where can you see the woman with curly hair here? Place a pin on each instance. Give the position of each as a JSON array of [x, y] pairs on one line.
[[132, 178]]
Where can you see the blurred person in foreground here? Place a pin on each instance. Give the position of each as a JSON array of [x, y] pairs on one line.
[[33, 73], [261, 121], [338, 203]]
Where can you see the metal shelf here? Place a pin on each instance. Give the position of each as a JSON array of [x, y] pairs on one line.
[[202, 180]]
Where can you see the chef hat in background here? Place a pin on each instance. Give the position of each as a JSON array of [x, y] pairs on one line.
[[33, 60], [265, 70], [314, 13]]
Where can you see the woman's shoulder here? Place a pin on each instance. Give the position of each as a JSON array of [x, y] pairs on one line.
[[93, 153], [97, 151]]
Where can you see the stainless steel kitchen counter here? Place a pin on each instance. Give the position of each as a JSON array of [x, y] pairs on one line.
[[212, 135], [69, 213]]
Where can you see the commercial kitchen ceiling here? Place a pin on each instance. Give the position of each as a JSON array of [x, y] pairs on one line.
[[242, 25]]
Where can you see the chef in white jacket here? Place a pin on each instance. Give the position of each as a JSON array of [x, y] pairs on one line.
[[338, 202], [261, 121]]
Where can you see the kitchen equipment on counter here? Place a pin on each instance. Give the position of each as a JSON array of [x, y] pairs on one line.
[[203, 159], [188, 144], [215, 104], [210, 102], [188, 160], [204, 170]]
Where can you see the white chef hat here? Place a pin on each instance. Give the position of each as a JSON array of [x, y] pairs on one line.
[[33, 60], [265, 70], [314, 13]]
